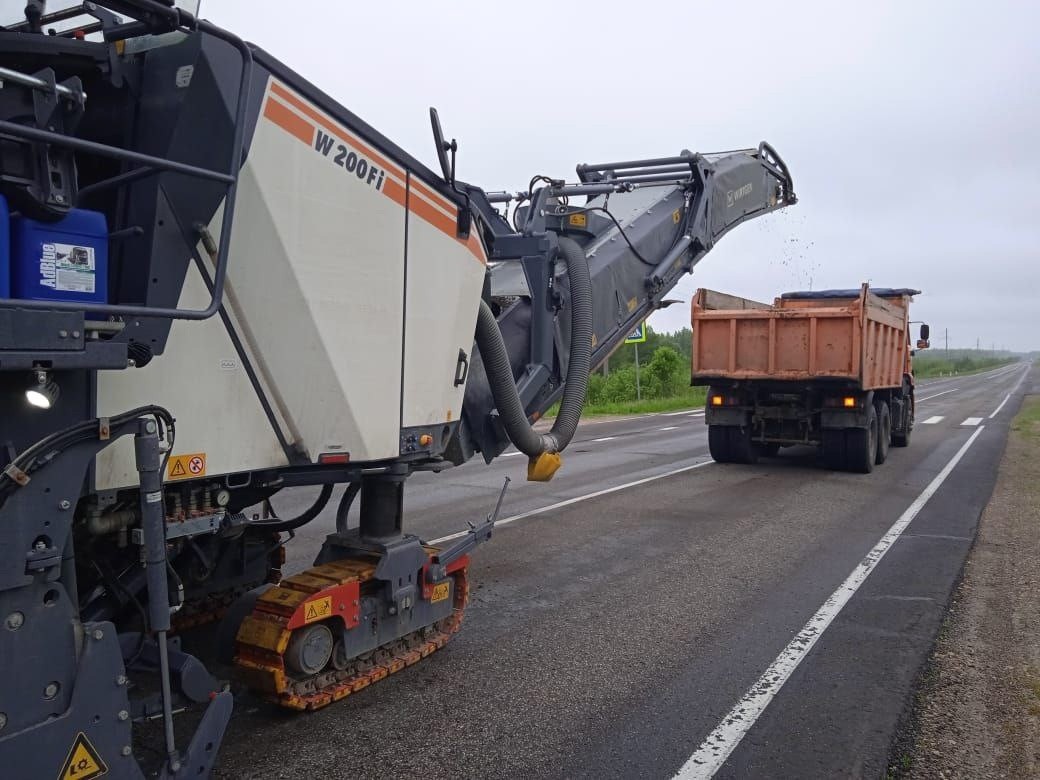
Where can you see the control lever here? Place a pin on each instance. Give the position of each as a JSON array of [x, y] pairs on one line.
[[477, 534]]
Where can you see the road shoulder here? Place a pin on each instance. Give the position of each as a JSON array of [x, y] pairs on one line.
[[976, 712]]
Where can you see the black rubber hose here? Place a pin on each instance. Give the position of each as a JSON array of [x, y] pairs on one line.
[[344, 505], [500, 373], [280, 526]]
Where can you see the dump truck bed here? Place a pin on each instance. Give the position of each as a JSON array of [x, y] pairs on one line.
[[856, 337]]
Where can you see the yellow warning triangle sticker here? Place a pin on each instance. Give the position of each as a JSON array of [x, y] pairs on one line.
[[84, 762], [178, 469]]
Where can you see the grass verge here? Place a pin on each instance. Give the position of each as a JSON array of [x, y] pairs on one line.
[[690, 398]]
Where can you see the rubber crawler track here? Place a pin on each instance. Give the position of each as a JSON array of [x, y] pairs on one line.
[[263, 638]]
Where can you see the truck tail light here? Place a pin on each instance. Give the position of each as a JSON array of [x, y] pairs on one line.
[[842, 401], [717, 400]]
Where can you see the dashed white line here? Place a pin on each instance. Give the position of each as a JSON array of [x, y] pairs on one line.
[[944, 392], [997, 410], [714, 751], [669, 428], [579, 499], [933, 420], [606, 438], [971, 421]]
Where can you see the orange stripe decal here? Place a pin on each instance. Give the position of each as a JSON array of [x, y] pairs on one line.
[[332, 127], [395, 192], [288, 121], [432, 196], [423, 202]]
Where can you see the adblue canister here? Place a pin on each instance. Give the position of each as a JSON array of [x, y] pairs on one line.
[[65, 260], [5, 250]]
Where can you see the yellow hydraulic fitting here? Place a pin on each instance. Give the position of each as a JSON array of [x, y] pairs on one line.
[[542, 468]]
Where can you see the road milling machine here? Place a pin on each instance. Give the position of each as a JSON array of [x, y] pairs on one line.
[[216, 283]]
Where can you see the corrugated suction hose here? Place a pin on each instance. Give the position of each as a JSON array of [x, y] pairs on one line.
[[500, 373]]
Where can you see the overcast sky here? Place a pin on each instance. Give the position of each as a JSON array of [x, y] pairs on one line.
[[912, 129]]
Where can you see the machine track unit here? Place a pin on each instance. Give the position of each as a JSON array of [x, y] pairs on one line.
[[218, 284], [323, 634]]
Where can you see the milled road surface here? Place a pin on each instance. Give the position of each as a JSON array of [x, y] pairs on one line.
[[609, 636]]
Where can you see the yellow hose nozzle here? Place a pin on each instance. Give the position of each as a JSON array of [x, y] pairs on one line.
[[543, 467]]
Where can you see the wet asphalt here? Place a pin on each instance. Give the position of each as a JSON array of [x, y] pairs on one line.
[[607, 637]]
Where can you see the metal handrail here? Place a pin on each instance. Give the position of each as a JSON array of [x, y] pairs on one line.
[[176, 19]]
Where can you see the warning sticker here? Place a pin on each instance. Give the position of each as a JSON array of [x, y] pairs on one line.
[[83, 762], [440, 592], [67, 267], [186, 466], [319, 609]]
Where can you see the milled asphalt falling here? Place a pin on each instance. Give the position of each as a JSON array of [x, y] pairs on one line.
[[609, 637]]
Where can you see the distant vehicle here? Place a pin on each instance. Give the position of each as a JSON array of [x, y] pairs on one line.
[[830, 368]]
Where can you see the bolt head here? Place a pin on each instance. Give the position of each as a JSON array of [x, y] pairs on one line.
[[121, 679], [126, 751], [123, 715], [175, 766], [65, 505], [50, 691], [15, 621], [98, 634]]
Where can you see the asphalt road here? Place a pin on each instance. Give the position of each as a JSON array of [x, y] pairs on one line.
[[613, 626]]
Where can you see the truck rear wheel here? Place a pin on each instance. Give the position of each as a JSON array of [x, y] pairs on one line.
[[902, 438], [884, 433], [832, 449], [741, 448], [731, 444], [861, 444], [718, 443]]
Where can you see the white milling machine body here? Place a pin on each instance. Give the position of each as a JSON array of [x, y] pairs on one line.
[[315, 307]]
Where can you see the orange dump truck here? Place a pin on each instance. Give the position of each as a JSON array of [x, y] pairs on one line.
[[830, 368]]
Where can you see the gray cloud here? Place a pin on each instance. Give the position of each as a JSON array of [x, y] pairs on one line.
[[909, 127]]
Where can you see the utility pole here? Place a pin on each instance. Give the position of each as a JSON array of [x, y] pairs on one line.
[[947, 339]]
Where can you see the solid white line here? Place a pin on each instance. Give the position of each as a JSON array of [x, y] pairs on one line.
[[606, 438], [714, 751], [997, 410], [578, 499], [510, 454], [944, 392], [933, 420], [669, 428], [684, 411], [972, 421], [696, 414]]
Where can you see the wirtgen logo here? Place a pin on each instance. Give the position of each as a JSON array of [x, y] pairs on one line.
[[734, 195]]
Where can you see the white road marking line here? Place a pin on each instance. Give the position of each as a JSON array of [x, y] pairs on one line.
[[944, 392], [669, 428], [997, 410], [696, 414], [684, 411], [510, 454], [933, 420], [606, 438], [972, 421], [718, 746], [579, 499]]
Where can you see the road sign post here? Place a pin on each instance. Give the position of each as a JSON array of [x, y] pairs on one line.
[[635, 338]]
